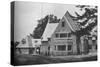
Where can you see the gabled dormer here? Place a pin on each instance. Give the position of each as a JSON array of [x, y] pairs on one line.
[[62, 29], [65, 27]]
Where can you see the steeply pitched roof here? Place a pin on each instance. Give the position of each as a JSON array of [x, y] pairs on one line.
[[73, 25], [30, 43], [20, 45], [49, 30]]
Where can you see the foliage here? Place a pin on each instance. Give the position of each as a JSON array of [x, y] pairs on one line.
[[87, 22], [37, 33], [89, 19]]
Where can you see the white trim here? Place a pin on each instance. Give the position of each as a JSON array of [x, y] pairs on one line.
[[69, 24]]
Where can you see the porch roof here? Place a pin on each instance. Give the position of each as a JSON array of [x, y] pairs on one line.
[[49, 30]]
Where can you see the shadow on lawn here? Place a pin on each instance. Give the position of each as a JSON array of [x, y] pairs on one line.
[[33, 60]]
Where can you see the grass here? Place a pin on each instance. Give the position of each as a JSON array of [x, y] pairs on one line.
[[33, 60]]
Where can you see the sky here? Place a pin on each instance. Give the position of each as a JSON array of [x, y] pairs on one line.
[[27, 14]]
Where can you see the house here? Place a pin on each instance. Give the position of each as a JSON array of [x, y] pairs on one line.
[[31, 46], [58, 39], [84, 46], [88, 44], [92, 41]]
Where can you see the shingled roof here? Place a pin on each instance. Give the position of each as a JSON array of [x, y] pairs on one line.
[[50, 28], [73, 25], [30, 43]]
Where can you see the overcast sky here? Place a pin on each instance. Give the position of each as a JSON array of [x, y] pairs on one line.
[[27, 14]]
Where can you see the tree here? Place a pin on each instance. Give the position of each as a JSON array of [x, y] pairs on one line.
[[37, 33], [87, 21]]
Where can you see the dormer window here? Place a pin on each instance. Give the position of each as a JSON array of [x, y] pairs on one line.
[[63, 24]]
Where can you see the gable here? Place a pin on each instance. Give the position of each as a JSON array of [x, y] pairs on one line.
[[73, 25], [60, 28], [28, 43], [66, 25]]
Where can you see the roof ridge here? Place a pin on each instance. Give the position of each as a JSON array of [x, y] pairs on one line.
[[72, 23]]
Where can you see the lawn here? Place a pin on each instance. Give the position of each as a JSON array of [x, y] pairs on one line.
[[33, 59]]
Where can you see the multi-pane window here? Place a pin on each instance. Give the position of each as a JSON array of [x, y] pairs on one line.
[[61, 47], [63, 24], [62, 35], [69, 47]]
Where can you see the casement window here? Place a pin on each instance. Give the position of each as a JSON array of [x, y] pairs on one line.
[[61, 47]]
